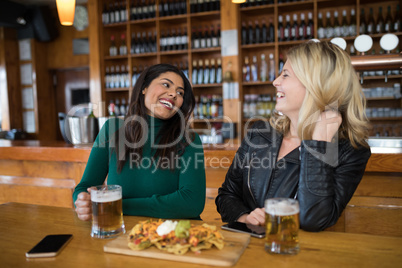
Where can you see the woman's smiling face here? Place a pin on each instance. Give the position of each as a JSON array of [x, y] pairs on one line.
[[164, 96], [290, 92]]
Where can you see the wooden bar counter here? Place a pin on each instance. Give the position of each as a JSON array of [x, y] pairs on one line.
[[23, 225], [45, 173]]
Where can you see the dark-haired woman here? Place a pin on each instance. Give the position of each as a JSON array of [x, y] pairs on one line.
[[152, 154]]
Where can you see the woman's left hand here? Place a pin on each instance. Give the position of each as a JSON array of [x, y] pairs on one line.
[[327, 125]]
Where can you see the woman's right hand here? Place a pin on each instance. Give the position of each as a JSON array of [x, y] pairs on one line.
[[83, 206], [256, 217]]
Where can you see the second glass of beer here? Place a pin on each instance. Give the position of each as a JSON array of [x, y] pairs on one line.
[[282, 225], [107, 211]]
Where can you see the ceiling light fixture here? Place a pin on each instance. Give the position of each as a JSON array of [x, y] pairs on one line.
[[238, 1], [66, 9]]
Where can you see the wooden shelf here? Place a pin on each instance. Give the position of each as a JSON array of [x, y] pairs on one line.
[[385, 119], [117, 89], [206, 85]]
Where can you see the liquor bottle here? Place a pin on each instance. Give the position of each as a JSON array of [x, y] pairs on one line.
[[287, 29], [281, 63], [263, 69], [200, 6], [246, 70], [294, 31], [132, 48], [329, 29], [271, 31], [345, 25], [166, 9], [363, 24], [302, 28], [212, 72], [352, 50], [107, 77], [320, 27], [380, 22], [219, 71], [194, 74], [310, 26], [397, 21], [171, 40], [105, 15], [123, 107], [337, 27], [122, 78], [163, 41], [112, 48], [116, 78], [127, 77], [218, 33], [257, 32], [352, 24], [123, 46], [371, 23], [250, 32], [143, 42], [200, 78], [206, 72], [117, 107], [254, 69], [281, 29], [178, 39], [271, 67], [388, 21], [111, 77]]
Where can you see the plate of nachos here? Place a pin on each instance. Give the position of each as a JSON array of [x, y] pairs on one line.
[[174, 237]]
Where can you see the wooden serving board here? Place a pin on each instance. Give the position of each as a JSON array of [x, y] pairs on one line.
[[235, 244]]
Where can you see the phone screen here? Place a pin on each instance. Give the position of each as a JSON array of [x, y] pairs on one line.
[[49, 246], [240, 227]]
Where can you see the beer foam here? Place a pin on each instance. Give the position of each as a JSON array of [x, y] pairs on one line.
[[103, 197], [282, 208]]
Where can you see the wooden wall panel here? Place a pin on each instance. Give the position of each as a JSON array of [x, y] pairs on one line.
[[10, 93], [380, 184], [60, 50]]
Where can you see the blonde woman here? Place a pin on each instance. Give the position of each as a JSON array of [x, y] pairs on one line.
[[314, 148]]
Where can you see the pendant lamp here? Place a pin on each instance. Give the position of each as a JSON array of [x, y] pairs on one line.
[[66, 9]]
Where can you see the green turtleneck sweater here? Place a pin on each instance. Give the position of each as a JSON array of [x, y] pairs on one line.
[[147, 190]]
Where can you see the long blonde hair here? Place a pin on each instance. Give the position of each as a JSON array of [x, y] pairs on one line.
[[331, 82]]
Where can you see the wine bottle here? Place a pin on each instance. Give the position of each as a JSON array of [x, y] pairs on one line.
[[352, 24], [363, 24], [254, 69], [246, 70], [388, 21], [208, 38], [243, 34], [107, 77], [263, 69], [294, 32], [380, 21], [219, 71], [116, 77], [111, 108], [345, 25], [271, 31], [214, 37], [257, 32], [184, 39], [194, 74], [111, 14], [203, 38], [116, 13], [329, 29], [200, 78], [397, 20], [250, 32], [212, 72], [206, 72], [105, 15], [320, 27], [281, 63], [302, 28], [123, 12], [264, 32], [123, 46], [271, 67], [310, 26], [337, 26], [287, 29], [193, 37], [112, 48], [371, 23], [281, 30]]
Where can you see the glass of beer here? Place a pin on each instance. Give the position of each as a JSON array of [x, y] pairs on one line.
[[282, 225], [107, 211]]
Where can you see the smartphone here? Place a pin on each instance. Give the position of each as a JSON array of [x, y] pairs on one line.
[[49, 246], [240, 227]]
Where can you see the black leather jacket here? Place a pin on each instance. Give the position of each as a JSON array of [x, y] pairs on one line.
[[323, 183]]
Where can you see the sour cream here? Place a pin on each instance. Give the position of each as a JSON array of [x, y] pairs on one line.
[[166, 227]]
